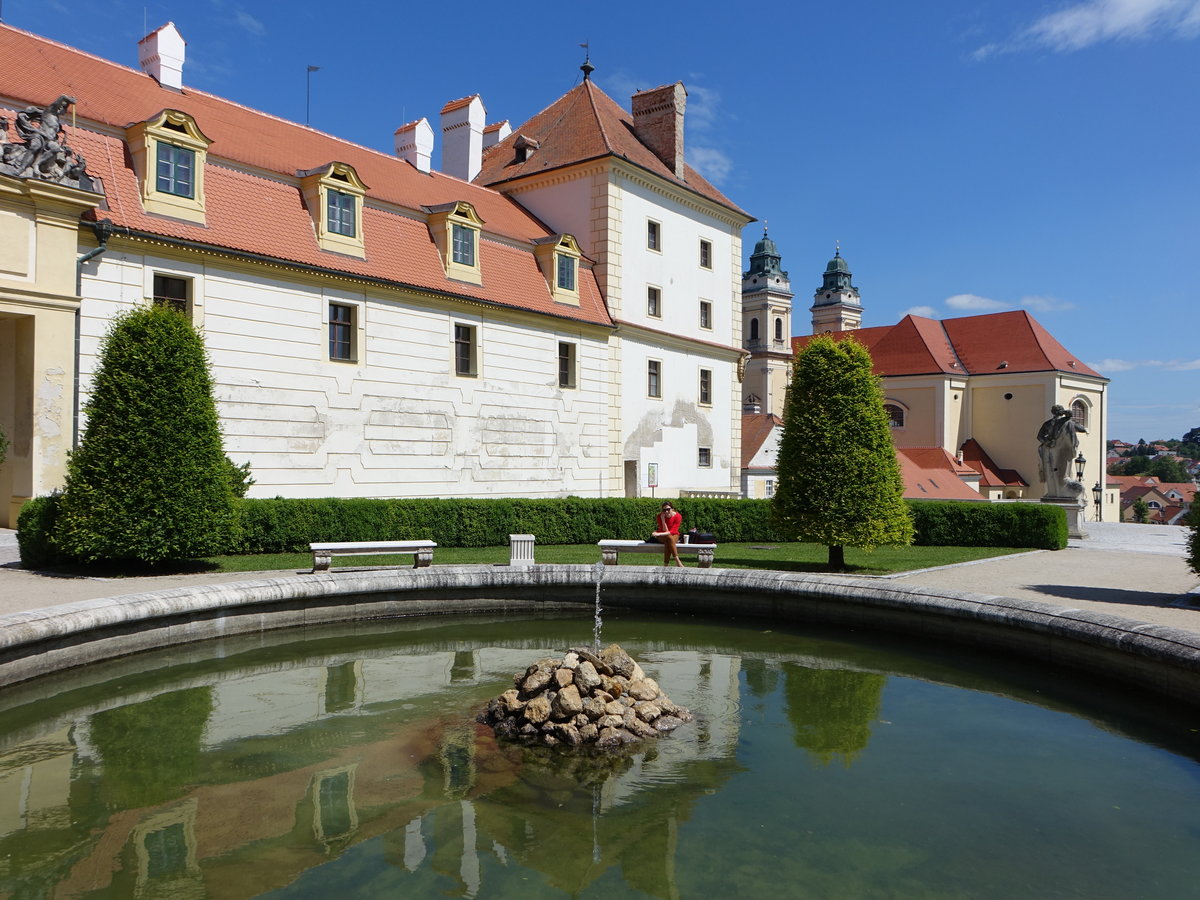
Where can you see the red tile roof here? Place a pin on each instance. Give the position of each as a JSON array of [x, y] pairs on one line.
[[930, 473], [1006, 342], [585, 124], [253, 200], [756, 427], [990, 474]]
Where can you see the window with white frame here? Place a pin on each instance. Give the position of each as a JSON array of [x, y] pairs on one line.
[[466, 359], [895, 415], [705, 254], [706, 314], [341, 212], [654, 302], [566, 271], [341, 332], [174, 292], [706, 387], [566, 364], [654, 378], [770, 488], [653, 235], [1079, 413], [463, 251], [704, 457], [176, 170]]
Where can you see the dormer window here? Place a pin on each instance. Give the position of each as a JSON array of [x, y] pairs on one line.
[[334, 195], [455, 228], [558, 257], [169, 153]]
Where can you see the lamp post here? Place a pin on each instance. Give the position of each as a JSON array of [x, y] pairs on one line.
[[1098, 499], [1080, 462]]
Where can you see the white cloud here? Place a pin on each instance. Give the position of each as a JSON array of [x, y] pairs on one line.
[[710, 162], [927, 311], [1046, 304], [1127, 365], [973, 302], [1114, 365], [1097, 21], [248, 23], [1189, 365], [703, 105]]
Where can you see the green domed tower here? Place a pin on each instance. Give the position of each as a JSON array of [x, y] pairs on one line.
[[766, 329], [836, 304]]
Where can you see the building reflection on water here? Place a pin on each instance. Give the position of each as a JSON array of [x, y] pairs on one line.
[[248, 778]]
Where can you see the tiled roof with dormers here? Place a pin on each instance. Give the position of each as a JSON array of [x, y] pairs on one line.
[[585, 124], [990, 475], [930, 473], [996, 343], [253, 199]]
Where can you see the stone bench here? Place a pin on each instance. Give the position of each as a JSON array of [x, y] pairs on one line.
[[609, 550], [323, 554]]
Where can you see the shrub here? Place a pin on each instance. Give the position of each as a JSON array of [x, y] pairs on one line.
[[1194, 540], [150, 480], [35, 532], [941, 523], [3, 446]]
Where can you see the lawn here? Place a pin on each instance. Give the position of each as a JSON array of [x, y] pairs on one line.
[[763, 555]]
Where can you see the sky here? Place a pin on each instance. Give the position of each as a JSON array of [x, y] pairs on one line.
[[968, 156]]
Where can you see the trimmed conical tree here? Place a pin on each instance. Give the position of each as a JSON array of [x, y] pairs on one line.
[[838, 480], [150, 481]]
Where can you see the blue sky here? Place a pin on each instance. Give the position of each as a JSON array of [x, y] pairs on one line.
[[969, 155]]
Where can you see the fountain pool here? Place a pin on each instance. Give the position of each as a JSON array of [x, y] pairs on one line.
[[345, 760]]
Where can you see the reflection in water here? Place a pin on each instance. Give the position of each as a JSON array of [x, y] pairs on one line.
[[353, 767]]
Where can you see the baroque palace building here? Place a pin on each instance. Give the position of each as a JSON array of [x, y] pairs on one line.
[[966, 396], [557, 312]]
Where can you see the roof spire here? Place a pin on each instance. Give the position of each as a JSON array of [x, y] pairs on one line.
[[837, 249], [587, 68]]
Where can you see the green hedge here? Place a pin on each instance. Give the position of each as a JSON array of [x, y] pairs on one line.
[[943, 523], [282, 525]]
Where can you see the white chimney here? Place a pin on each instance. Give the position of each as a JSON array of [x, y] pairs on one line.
[[495, 133], [414, 143], [462, 137], [160, 54]]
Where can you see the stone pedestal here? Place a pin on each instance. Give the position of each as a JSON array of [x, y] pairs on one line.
[[1074, 515], [520, 549]]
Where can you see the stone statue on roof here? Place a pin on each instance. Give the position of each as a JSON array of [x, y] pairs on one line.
[[1058, 445], [41, 150]]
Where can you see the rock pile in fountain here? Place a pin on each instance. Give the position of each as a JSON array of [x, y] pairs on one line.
[[600, 699]]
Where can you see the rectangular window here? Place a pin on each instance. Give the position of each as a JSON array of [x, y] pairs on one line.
[[341, 332], [706, 387], [464, 350], [770, 488], [653, 302], [176, 170], [706, 314], [705, 254], [566, 272], [464, 245], [653, 236], [172, 292], [340, 211], [654, 378], [566, 364], [704, 457]]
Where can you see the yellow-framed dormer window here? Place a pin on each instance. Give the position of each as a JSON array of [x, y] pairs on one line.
[[455, 228], [169, 154], [558, 257], [334, 195]]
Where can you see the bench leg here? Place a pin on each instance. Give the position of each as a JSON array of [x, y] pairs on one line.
[[422, 558], [705, 558], [321, 563], [609, 556]]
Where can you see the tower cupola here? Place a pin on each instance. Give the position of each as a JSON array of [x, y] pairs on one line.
[[837, 305]]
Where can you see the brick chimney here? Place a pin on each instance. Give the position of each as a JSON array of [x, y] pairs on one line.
[[160, 54], [658, 122], [462, 137], [414, 143]]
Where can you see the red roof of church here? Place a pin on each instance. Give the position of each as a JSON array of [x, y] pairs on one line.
[[252, 195], [990, 475], [585, 124], [930, 473], [1006, 342]]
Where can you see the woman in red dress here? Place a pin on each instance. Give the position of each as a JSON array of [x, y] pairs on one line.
[[666, 532]]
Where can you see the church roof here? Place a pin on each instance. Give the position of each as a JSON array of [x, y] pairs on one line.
[[995, 343], [756, 428], [930, 473], [585, 124], [990, 475], [253, 200]]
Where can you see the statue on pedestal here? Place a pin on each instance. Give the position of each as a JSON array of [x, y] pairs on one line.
[[1058, 445]]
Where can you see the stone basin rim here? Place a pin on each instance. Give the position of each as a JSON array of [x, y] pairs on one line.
[[54, 639]]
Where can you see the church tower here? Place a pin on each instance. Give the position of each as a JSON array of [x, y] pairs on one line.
[[766, 330], [836, 304]]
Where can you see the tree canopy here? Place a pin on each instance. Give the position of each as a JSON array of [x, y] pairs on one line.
[[839, 482], [150, 480]]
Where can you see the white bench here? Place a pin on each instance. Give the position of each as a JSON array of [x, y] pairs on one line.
[[422, 551], [609, 550]]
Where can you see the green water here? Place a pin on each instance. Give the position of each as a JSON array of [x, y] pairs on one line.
[[345, 762]]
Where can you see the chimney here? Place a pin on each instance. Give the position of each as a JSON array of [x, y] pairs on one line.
[[658, 123], [414, 143], [462, 137], [497, 132], [160, 54]]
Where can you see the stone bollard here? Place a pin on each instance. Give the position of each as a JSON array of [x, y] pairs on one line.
[[521, 549]]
